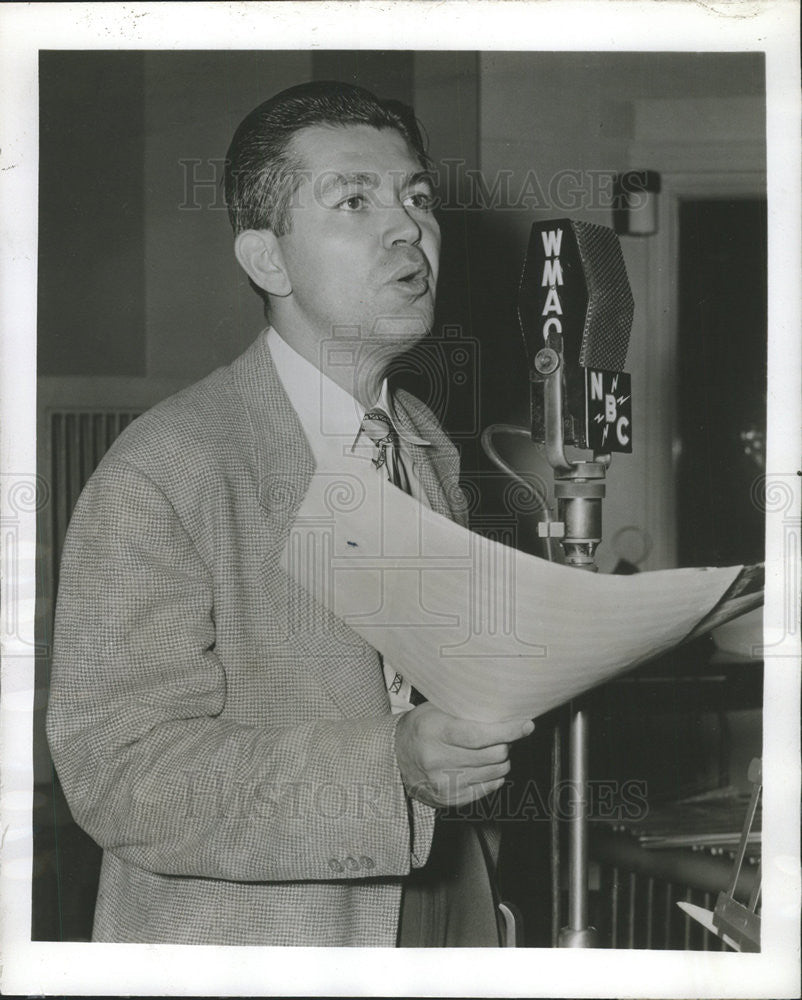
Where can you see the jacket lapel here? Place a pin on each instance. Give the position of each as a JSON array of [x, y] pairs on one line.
[[284, 461], [341, 660], [285, 464], [437, 465]]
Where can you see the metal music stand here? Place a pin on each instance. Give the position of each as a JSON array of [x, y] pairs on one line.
[[575, 310], [735, 924], [579, 488], [742, 923]]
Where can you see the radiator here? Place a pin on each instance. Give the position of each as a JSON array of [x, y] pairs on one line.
[[78, 441], [640, 911], [635, 893]]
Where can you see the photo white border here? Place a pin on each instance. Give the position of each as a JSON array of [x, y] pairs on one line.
[[592, 25]]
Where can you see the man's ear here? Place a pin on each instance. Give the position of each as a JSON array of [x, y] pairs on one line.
[[260, 256]]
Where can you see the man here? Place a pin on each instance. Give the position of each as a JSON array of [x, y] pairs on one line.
[[226, 740]]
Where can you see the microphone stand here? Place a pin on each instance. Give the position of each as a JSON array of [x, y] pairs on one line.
[[579, 488]]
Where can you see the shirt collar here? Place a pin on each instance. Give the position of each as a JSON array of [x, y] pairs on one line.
[[323, 405], [385, 402]]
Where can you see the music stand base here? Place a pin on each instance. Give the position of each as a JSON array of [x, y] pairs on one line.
[[584, 938]]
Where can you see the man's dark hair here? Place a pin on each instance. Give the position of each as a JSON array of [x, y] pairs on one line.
[[261, 171]]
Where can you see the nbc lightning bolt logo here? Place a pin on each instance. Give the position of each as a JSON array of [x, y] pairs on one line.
[[607, 426], [602, 417], [607, 410], [619, 399]]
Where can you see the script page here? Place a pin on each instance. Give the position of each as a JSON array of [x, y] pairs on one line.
[[483, 630]]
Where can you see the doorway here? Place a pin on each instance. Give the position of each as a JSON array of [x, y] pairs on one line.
[[721, 388]]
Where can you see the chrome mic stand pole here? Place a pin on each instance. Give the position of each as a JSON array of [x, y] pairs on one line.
[[579, 488]]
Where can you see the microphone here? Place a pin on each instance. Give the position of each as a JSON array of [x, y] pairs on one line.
[[575, 310]]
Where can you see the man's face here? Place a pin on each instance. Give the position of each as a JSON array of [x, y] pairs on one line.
[[363, 247]]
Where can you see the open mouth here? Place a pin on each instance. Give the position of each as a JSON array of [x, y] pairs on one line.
[[416, 283], [416, 279]]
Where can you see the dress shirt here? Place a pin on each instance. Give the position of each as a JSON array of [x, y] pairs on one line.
[[332, 422]]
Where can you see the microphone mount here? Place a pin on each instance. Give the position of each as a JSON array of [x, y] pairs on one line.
[[575, 308], [579, 486]]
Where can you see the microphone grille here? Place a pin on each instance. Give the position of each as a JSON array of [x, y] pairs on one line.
[[610, 304]]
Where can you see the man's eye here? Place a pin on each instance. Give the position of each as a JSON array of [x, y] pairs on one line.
[[422, 200], [353, 202]]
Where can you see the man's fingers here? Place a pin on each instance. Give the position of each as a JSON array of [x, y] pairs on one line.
[[497, 754], [481, 735], [472, 793], [460, 786], [448, 761], [490, 772]]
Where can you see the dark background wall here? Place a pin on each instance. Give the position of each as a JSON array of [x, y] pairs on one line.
[[91, 308]]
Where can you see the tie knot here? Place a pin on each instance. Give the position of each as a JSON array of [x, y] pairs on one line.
[[378, 427]]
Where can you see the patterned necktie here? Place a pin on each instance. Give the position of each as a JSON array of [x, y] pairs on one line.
[[377, 426]]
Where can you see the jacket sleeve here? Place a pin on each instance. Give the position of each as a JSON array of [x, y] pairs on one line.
[[152, 768]]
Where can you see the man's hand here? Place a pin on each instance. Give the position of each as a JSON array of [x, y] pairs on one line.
[[446, 761]]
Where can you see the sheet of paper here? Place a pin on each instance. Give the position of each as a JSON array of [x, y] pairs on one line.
[[483, 630]]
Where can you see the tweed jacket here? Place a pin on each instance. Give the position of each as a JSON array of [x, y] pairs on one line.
[[223, 737]]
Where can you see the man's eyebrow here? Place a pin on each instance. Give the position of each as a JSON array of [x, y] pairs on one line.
[[420, 177], [333, 179]]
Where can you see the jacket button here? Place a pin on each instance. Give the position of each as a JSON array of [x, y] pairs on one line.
[[352, 864], [367, 862], [335, 865]]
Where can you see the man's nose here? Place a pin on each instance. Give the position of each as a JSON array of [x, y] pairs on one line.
[[401, 228]]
